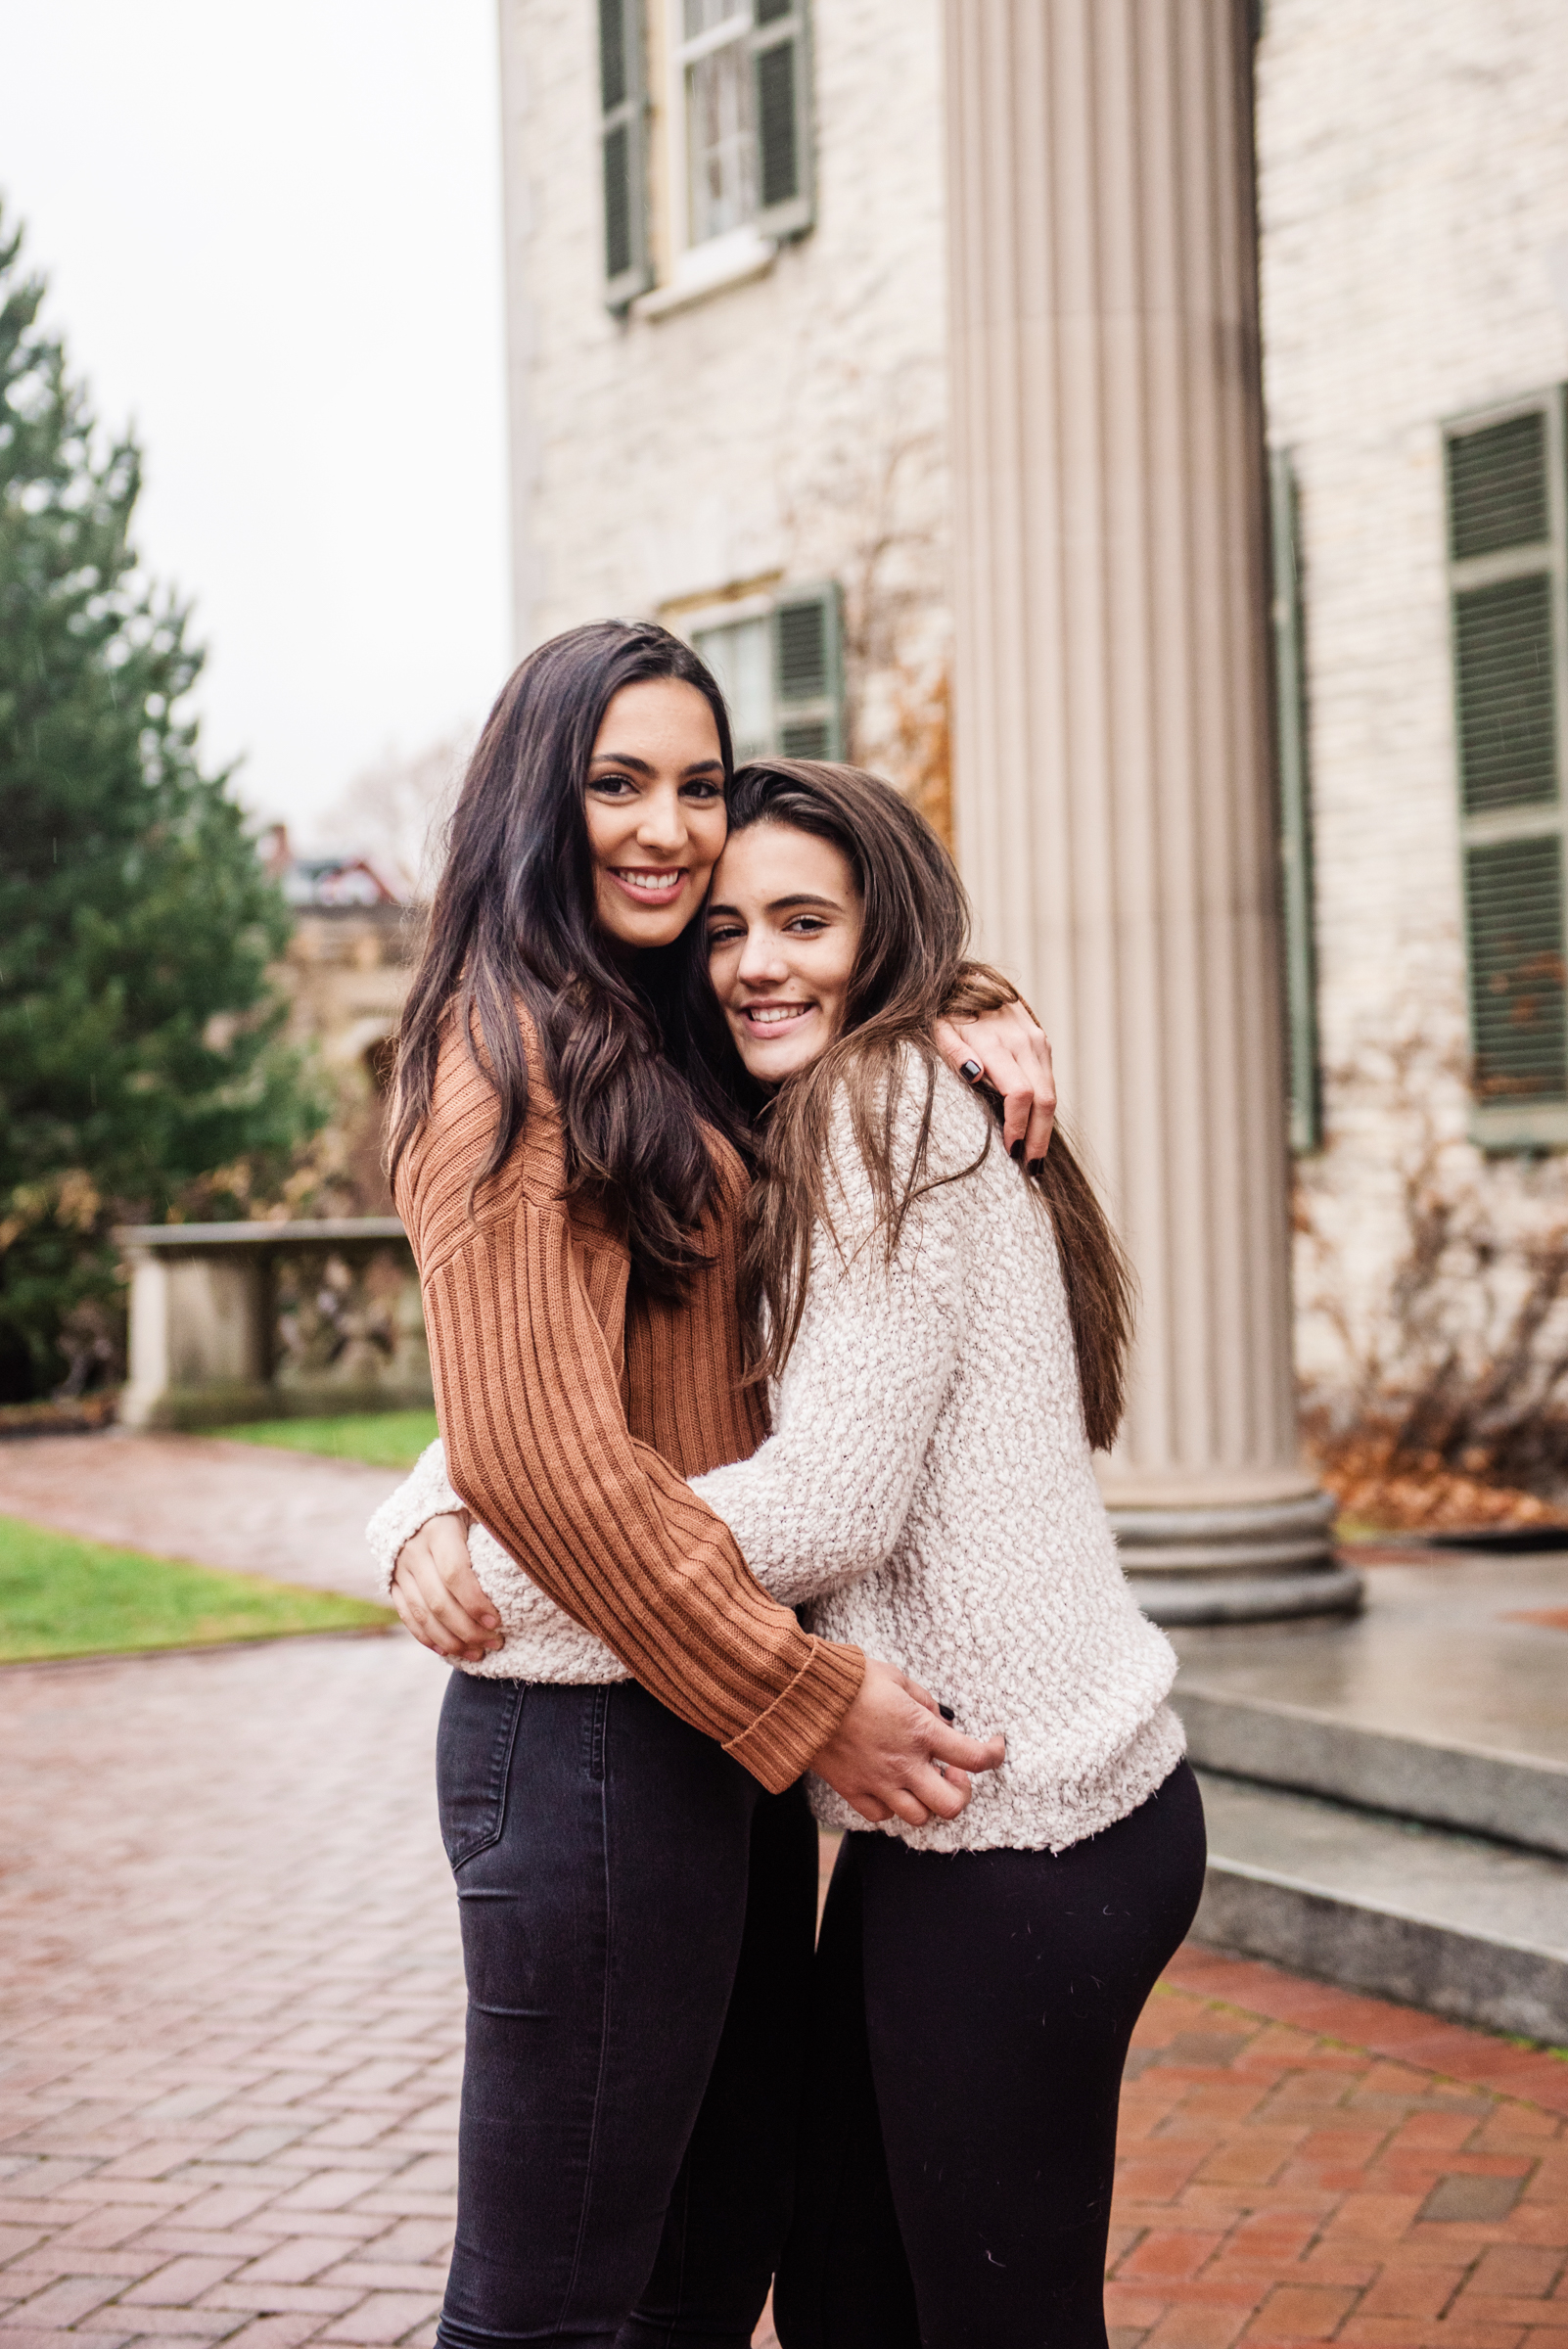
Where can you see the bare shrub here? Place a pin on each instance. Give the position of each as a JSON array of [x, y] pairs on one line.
[[871, 509], [1450, 1400]]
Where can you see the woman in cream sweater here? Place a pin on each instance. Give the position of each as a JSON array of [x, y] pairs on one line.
[[944, 1337]]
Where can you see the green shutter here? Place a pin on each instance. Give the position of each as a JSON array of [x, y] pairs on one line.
[[809, 673], [1507, 528], [1513, 892], [623, 150], [1506, 693], [781, 71], [1295, 807], [1498, 487]]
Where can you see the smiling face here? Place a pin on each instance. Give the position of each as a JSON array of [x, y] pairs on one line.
[[655, 806], [783, 934]]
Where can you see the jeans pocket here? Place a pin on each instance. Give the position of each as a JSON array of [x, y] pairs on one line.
[[474, 1761]]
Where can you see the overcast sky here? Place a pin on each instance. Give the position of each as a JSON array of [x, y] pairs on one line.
[[272, 236]]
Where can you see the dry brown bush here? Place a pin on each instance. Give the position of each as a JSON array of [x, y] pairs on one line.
[[1452, 1409]]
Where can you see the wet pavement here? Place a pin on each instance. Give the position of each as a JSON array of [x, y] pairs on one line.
[[232, 2005], [231, 2010], [1462, 1649]]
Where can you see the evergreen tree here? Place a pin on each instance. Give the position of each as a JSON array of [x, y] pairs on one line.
[[141, 1069]]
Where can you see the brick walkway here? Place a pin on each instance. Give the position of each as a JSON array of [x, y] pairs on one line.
[[239, 1506], [230, 2021], [233, 2001], [1299, 2164]]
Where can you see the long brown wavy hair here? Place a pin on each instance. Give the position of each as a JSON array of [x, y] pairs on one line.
[[628, 1043], [911, 971]]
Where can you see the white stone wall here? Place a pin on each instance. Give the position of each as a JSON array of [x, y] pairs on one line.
[[790, 427], [1413, 193]]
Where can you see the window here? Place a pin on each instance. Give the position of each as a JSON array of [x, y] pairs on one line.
[[1508, 598], [1295, 806], [733, 128], [741, 72], [781, 669], [716, 67]]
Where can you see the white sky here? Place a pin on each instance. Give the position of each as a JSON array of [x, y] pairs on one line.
[[272, 236]]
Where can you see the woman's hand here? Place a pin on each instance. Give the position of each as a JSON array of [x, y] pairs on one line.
[[1014, 1053], [893, 1756], [436, 1592]]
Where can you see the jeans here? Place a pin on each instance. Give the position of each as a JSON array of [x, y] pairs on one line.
[[637, 1921], [972, 2017]]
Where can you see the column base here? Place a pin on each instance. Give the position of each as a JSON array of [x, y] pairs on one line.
[[1255, 1560]]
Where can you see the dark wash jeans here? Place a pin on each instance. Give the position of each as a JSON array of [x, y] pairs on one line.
[[637, 1924]]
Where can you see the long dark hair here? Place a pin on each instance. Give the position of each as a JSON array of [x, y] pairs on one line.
[[513, 918], [911, 971]]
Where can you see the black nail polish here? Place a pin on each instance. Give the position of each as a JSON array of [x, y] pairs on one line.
[[1017, 1150], [947, 1712]]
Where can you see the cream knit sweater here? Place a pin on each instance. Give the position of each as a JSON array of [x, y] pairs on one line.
[[927, 1494]]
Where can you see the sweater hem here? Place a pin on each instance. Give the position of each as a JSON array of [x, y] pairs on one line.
[[1045, 1820]]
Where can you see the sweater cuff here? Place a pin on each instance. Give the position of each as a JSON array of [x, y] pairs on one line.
[[780, 1743], [424, 1494]]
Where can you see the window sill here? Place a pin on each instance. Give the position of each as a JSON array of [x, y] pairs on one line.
[[1524, 1126], [707, 269]]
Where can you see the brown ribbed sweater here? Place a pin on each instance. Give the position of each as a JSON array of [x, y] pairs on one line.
[[570, 1423]]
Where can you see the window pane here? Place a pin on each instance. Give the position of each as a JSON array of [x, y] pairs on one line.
[[721, 141], [703, 15], [740, 659]]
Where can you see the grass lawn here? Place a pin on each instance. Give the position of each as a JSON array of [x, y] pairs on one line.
[[62, 1597], [386, 1439]]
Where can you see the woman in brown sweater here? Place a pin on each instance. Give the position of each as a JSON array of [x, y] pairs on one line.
[[635, 1881]]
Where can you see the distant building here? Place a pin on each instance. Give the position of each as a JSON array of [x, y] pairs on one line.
[[725, 256], [344, 974]]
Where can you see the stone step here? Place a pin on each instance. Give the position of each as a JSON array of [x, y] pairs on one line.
[[1513, 1795], [1456, 1923], [1520, 1797], [1446, 1699]]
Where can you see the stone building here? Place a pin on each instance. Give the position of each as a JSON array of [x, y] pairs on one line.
[[343, 974], [727, 255], [732, 416], [1414, 199]]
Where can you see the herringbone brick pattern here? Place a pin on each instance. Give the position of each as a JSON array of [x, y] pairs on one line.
[[230, 2021], [1300, 2165], [233, 2001]]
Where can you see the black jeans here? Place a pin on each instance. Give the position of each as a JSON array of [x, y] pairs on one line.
[[971, 2022], [637, 1920]]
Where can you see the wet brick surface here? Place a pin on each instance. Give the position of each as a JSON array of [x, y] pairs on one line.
[[230, 2024]]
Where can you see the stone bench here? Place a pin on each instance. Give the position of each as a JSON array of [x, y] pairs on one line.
[[236, 1321]]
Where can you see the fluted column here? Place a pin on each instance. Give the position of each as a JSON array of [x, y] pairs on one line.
[[1113, 780]]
